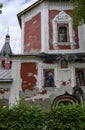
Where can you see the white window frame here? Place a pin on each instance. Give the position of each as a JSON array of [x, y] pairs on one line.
[[62, 18]]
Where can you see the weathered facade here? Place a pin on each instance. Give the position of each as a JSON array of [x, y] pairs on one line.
[[52, 61]]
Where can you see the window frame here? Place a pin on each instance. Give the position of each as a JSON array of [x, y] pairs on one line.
[[60, 20]]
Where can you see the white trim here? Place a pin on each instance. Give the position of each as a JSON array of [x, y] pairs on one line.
[[44, 28], [32, 13], [16, 86], [64, 18], [40, 76], [61, 5], [73, 77], [22, 35], [41, 67]]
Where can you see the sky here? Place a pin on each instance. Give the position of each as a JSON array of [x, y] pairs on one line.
[[8, 19]]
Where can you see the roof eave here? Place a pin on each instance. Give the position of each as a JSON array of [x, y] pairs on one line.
[[6, 80], [27, 9]]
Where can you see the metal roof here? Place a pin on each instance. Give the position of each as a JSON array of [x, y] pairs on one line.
[[5, 76], [6, 49]]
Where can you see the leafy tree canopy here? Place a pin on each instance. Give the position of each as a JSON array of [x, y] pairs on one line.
[[1, 8], [78, 12]]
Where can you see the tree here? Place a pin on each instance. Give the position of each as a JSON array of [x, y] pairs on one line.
[[78, 12], [1, 8]]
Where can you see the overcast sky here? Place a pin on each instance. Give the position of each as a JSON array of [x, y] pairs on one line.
[[8, 19]]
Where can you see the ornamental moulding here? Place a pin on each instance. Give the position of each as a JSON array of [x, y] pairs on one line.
[[62, 16]]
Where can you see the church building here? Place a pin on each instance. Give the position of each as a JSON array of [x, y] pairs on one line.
[[52, 59]]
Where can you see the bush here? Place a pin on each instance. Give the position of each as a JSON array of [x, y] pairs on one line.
[[25, 117], [21, 117], [70, 117]]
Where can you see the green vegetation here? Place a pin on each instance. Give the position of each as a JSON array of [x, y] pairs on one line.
[[78, 12], [1, 8], [21, 117], [70, 117], [25, 117]]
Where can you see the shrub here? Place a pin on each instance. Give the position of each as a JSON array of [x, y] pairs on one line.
[[70, 117], [21, 117], [26, 117]]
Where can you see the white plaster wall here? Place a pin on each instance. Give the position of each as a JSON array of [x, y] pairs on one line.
[[79, 65], [22, 34], [58, 76], [81, 31], [16, 86]]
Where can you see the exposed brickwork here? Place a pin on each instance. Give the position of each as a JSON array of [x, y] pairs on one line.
[[43, 92], [64, 46], [28, 73], [32, 34], [52, 14]]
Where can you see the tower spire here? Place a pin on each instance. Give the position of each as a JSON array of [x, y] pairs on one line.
[[7, 38], [6, 49], [7, 30]]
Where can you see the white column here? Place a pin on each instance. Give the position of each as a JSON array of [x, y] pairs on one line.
[[16, 86], [71, 35], [40, 75], [44, 28], [55, 35], [73, 78], [22, 35], [56, 75]]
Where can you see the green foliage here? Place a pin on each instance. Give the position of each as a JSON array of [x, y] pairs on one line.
[[70, 117], [78, 12], [25, 117], [1, 8], [21, 117]]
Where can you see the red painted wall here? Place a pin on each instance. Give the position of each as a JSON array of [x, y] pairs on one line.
[[7, 65], [32, 34], [52, 14], [28, 72]]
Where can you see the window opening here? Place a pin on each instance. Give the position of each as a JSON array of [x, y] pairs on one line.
[[3, 64], [49, 79], [62, 34], [81, 77]]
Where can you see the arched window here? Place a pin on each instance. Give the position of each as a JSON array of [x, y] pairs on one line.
[[62, 32]]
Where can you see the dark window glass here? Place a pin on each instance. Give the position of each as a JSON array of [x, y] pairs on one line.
[[3, 64], [81, 77], [49, 79], [62, 34]]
